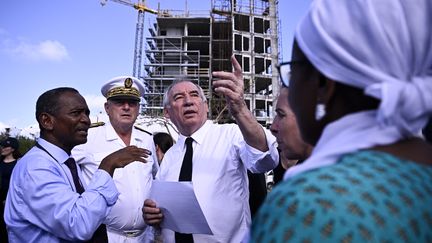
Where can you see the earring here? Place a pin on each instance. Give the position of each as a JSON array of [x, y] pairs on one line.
[[320, 111]]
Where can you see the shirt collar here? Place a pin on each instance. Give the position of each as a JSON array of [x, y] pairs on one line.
[[59, 154], [198, 136], [111, 134]]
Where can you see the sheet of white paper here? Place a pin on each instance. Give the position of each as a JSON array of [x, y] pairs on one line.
[[181, 210]]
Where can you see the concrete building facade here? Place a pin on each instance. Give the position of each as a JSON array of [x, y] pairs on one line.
[[193, 44]]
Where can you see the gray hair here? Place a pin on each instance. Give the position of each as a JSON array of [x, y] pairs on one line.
[[165, 101]]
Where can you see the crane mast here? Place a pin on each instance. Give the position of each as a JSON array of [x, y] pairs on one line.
[[139, 34]]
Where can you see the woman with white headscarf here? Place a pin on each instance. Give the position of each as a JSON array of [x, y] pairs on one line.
[[366, 66]]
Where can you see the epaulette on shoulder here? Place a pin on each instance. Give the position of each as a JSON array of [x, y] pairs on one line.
[[97, 124], [142, 130]]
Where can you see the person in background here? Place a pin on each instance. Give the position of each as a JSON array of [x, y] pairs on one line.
[[257, 190], [369, 177], [293, 150], [222, 154], [163, 141], [8, 159], [427, 131], [123, 94], [47, 200]]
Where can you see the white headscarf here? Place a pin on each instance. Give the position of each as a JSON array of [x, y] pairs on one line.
[[381, 46]]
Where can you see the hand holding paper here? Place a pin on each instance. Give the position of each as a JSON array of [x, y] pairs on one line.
[[177, 206]]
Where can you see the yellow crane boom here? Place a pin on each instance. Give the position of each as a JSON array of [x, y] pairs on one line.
[[139, 35]]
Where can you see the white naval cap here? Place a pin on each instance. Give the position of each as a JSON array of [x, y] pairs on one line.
[[123, 87]]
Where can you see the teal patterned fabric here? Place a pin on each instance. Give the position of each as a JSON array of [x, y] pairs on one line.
[[366, 197]]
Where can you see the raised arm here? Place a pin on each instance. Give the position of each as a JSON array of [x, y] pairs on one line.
[[231, 85]]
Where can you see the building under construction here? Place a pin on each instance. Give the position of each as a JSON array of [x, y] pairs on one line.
[[193, 44]]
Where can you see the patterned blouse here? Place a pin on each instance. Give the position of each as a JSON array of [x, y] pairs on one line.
[[367, 196]]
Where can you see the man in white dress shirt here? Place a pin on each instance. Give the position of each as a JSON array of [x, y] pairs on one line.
[[222, 154], [124, 223]]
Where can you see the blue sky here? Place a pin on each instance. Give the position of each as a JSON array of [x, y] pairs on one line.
[[46, 44]]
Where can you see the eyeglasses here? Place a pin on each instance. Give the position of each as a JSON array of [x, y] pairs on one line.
[[284, 69]]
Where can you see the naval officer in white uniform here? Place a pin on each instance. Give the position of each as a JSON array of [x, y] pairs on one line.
[[125, 222]]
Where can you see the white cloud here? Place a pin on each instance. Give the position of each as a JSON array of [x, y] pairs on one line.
[[30, 131], [7, 124], [95, 102], [3, 127], [96, 106], [97, 113], [50, 50], [13, 131]]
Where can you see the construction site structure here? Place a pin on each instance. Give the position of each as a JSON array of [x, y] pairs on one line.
[[139, 32], [192, 44]]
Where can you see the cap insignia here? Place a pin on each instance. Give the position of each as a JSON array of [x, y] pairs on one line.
[[128, 83]]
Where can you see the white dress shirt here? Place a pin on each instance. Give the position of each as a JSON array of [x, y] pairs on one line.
[[125, 222], [220, 161]]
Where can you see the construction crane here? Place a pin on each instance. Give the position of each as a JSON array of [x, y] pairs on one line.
[[139, 34]]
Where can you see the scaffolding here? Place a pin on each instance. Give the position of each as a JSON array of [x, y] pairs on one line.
[[191, 45]]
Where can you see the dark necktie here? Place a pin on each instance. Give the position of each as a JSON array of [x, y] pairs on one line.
[[100, 235], [186, 175], [71, 164], [186, 169]]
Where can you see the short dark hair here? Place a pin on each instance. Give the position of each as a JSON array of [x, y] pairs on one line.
[[48, 102], [163, 140]]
